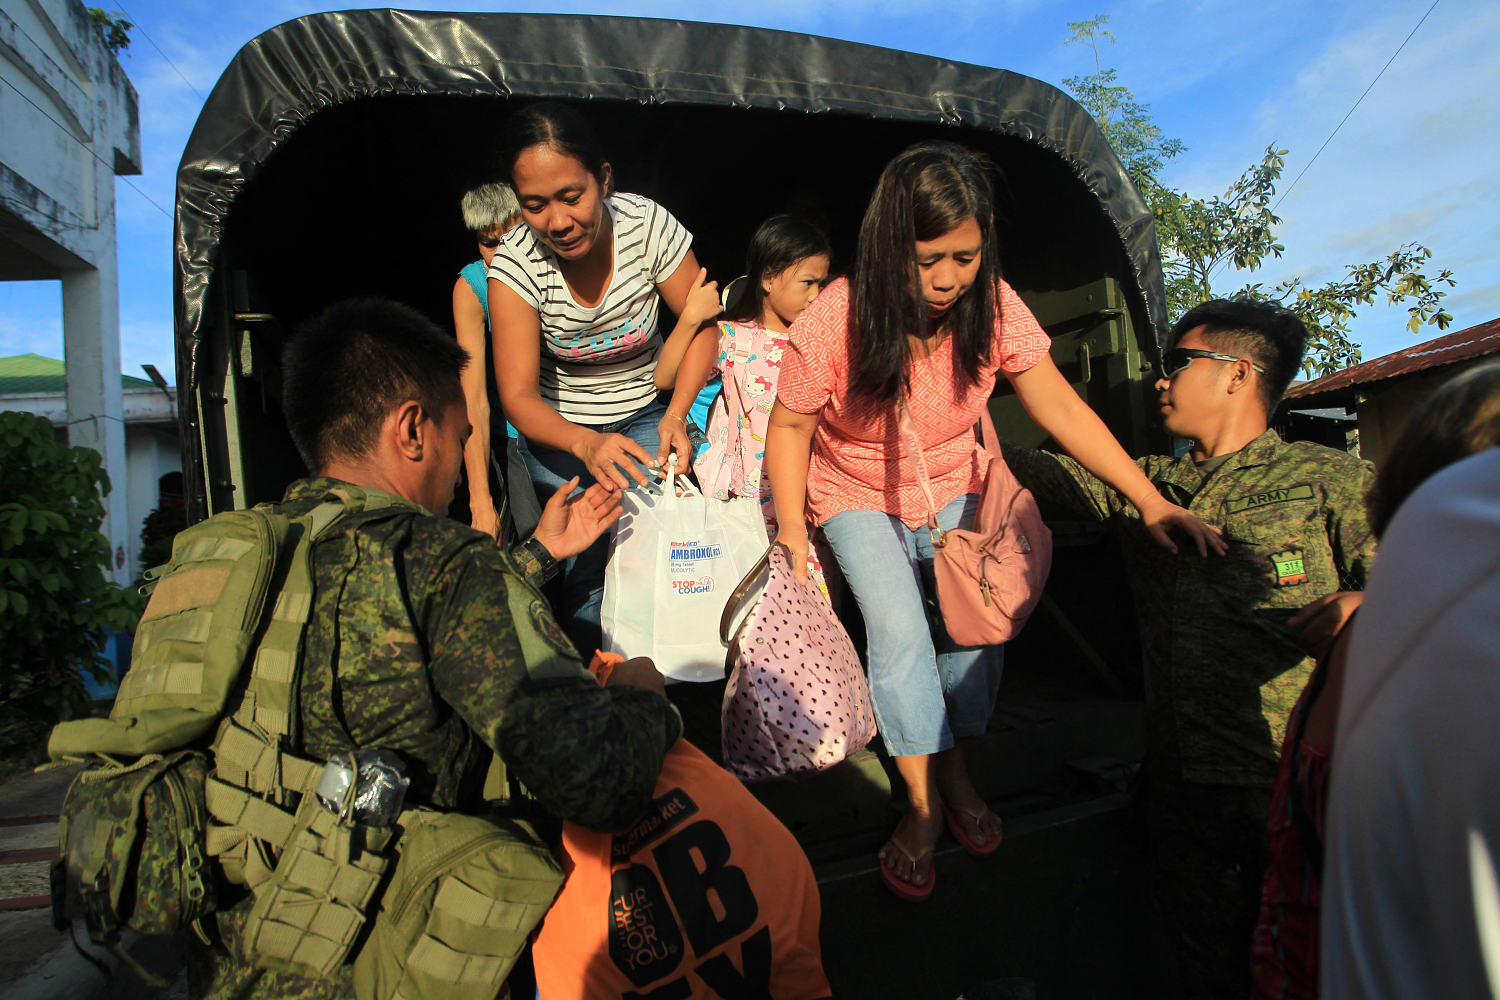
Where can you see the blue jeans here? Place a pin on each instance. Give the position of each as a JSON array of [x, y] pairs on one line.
[[928, 692], [582, 585]]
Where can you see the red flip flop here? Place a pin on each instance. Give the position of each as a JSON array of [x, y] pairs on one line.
[[973, 848], [909, 891]]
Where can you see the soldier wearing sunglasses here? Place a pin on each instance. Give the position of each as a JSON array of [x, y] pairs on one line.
[[1226, 641]]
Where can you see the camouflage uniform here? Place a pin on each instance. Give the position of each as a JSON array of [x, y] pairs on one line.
[[412, 645], [1222, 668]]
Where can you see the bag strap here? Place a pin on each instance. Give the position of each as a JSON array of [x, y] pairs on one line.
[[914, 449], [255, 768], [739, 593], [988, 441], [268, 706]]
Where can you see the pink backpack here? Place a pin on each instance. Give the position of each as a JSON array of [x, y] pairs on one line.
[[750, 358], [797, 700]]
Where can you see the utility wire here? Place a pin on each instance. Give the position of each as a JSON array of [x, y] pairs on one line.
[[136, 25], [88, 149], [1356, 106], [1346, 117]]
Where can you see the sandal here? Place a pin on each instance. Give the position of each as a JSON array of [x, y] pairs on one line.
[[909, 891], [973, 848]]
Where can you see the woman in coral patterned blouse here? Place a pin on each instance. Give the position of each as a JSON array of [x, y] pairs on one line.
[[926, 317]]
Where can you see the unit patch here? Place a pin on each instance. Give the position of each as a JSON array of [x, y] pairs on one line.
[[1290, 569], [546, 626], [1254, 500]]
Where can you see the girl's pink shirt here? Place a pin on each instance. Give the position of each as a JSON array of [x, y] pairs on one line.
[[858, 461]]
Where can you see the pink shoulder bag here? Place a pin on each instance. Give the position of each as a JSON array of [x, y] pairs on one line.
[[990, 576], [797, 700]]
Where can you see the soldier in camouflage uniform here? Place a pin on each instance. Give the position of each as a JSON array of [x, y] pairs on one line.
[[1224, 640], [412, 645]]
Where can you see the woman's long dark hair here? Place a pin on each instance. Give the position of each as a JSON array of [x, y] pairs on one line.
[[778, 243], [548, 123], [926, 191]]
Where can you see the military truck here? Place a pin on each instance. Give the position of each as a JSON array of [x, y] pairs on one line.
[[329, 160]]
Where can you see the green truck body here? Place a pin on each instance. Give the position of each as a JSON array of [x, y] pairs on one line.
[[329, 161]]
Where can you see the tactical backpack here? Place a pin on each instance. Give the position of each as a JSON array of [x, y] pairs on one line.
[[140, 824]]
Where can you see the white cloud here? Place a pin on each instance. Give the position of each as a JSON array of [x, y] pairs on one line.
[[1224, 76]]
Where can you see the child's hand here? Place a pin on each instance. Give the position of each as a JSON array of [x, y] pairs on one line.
[[702, 300]]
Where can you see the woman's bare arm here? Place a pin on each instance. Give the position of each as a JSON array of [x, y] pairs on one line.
[[789, 437], [1060, 412], [700, 307], [468, 323]]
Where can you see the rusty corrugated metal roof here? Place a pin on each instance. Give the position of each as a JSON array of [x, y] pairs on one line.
[[1474, 342]]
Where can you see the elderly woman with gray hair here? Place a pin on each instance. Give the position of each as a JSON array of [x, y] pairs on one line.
[[490, 211]]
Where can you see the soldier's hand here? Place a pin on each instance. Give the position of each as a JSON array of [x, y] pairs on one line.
[[1161, 517], [639, 672], [570, 523], [1322, 620]]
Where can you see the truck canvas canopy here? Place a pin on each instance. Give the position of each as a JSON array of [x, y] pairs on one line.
[[330, 157], [329, 161]]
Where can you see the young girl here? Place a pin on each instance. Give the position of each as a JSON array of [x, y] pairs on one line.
[[925, 322], [786, 266]]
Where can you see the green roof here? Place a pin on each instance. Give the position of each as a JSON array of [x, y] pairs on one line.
[[32, 374]]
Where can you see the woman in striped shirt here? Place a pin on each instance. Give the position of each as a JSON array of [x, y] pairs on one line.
[[573, 306]]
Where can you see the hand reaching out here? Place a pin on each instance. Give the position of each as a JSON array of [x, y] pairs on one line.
[[614, 460], [1161, 516], [1322, 620], [674, 440], [570, 523]]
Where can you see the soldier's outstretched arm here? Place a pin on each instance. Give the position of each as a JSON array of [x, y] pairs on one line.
[[1058, 479], [589, 754]]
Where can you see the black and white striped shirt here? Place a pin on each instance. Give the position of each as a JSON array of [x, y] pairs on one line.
[[597, 362]]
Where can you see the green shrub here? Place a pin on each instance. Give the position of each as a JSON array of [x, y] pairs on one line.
[[57, 606]]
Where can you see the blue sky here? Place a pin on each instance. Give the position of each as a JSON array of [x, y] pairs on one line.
[[1226, 77]]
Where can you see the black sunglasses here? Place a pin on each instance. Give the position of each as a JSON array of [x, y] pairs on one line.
[[1175, 359]]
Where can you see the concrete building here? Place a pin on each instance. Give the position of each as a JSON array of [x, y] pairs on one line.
[[69, 123]]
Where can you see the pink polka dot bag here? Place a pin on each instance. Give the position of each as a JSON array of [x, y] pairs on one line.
[[797, 701]]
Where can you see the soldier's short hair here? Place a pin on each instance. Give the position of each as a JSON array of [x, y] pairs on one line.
[[348, 368], [1264, 332], [488, 205]]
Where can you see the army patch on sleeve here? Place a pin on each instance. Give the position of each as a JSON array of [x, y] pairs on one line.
[[1290, 569], [546, 626], [1254, 500]]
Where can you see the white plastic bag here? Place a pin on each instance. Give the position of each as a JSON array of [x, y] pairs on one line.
[[672, 562]]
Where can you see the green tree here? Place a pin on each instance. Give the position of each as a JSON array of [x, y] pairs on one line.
[[114, 27], [1200, 236], [57, 606]]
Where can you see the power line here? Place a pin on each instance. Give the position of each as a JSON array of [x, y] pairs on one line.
[[137, 26], [1340, 125], [1356, 106], [87, 148]]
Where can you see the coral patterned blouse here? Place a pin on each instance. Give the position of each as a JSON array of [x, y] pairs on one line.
[[858, 461]]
